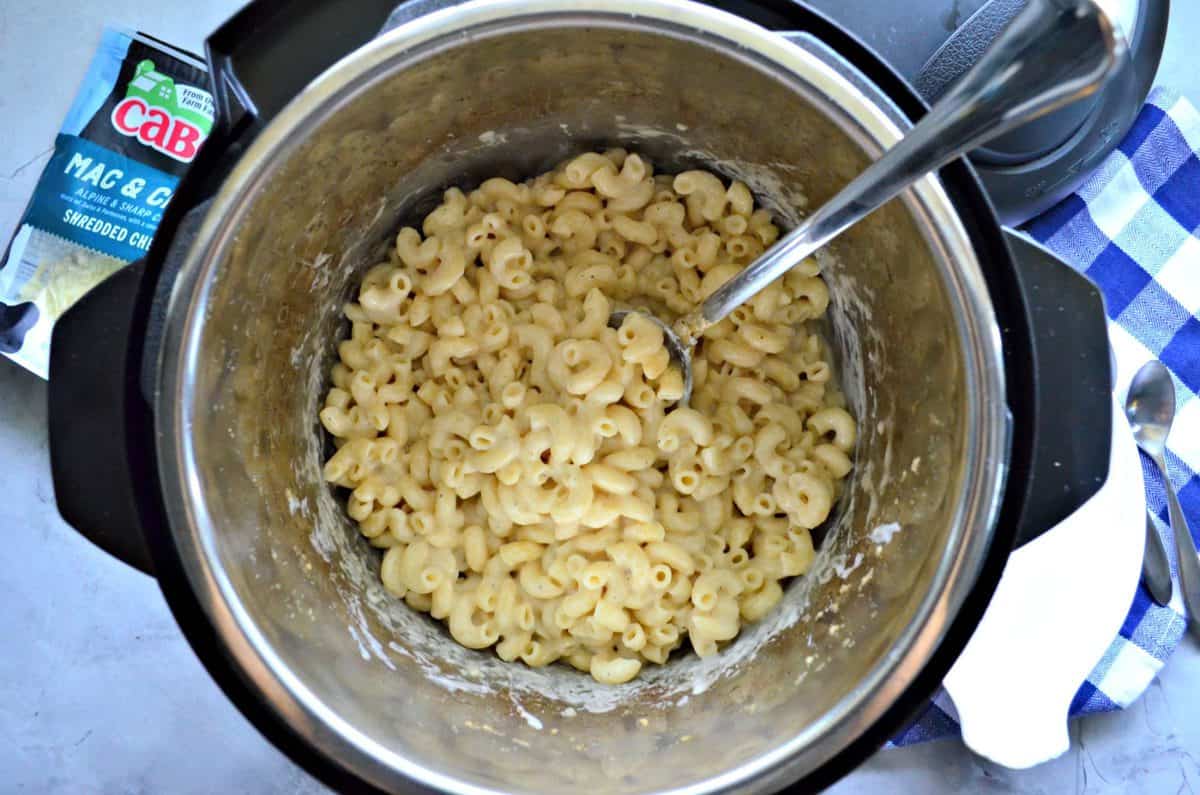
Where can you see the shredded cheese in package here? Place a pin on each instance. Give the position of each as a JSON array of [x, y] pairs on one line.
[[136, 125]]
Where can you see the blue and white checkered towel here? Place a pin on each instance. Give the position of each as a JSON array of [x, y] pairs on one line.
[[1134, 229]]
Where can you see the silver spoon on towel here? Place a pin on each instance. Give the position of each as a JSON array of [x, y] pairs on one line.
[[1151, 410], [1052, 53]]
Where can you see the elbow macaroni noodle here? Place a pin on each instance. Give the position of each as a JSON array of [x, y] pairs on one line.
[[523, 465]]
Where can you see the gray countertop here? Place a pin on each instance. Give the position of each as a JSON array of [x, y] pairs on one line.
[[100, 693]]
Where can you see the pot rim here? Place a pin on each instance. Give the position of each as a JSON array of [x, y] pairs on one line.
[[866, 119]]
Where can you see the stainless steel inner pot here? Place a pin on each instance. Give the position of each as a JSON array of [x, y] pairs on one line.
[[509, 88]]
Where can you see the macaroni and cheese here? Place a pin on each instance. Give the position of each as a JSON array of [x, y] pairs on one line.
[[528, 470]]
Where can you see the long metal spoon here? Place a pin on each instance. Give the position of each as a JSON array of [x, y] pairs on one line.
[[1151, 410], [1052, 53]]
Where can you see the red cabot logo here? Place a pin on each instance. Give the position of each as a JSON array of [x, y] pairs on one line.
[[158, 129]]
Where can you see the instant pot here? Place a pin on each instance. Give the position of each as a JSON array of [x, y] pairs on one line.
[[184, 390]]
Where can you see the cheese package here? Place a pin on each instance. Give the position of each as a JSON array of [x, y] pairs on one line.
[[136, 125]]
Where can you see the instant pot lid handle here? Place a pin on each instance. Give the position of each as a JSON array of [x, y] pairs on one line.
[[90, 428], [1072, 433], [267, 53]]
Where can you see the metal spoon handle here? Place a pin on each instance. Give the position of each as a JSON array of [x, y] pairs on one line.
[[1156, 566], [1185, 548], [1052, 53]]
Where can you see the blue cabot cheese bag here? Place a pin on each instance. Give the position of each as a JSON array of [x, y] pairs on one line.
[[137, 123]]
